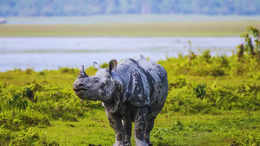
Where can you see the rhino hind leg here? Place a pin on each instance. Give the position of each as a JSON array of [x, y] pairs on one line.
[[127, 124]]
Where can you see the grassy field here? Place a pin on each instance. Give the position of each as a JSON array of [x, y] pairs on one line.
[[211, 101], [149, 29]]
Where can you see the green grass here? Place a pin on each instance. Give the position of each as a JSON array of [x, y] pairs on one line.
[[211, 101], [150, 29], [170, 129]]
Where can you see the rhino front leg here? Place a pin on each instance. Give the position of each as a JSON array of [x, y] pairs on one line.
[[150, 124], [120, 132], [127, 124], [141, 124]]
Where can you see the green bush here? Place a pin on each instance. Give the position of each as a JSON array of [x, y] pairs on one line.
[[68, 70], [245, 139], [200, 90], [25, 138], [200, 98], [19, 120], [178, 82], [5, 136]]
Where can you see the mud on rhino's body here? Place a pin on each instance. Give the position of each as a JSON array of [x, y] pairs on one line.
[[133, 91]]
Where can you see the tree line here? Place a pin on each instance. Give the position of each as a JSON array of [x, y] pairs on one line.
[[107, 7]]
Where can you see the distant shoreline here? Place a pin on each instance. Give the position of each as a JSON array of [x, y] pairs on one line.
[[214, 28]]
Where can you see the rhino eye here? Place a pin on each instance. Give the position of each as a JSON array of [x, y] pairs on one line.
[[96, 80], [102, 86]]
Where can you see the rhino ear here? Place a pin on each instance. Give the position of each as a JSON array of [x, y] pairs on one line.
[[112, 65]]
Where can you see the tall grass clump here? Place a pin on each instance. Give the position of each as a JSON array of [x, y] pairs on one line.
[[34, 105], [205, 83]]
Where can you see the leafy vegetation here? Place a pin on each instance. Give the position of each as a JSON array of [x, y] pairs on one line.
[[213, 100]]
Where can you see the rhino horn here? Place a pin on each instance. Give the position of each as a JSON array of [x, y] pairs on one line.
[[82, 73]]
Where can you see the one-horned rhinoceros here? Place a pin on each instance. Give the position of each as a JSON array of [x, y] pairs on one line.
[[132, 91]]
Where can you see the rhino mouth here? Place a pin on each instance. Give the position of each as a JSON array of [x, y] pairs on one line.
[[79, 89]]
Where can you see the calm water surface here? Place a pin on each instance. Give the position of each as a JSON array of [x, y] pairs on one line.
[[52, 53]]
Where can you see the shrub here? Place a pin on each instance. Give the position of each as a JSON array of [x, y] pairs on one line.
[[16, 101], [200, 90], [46, 142], [25, 138], [201, 98], [60, 104], [29, 71], [206, 55], [240, 52], [5, 136], [19, 120], [67, 70], [104, 65], [245, 139], [30, 90], [178, 82]]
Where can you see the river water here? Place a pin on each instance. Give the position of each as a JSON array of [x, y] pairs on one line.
[[54, 52]]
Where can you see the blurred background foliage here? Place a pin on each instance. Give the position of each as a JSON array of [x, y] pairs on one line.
[[93, 7]]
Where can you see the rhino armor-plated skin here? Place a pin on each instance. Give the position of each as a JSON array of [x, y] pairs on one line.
[[132, 91]]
